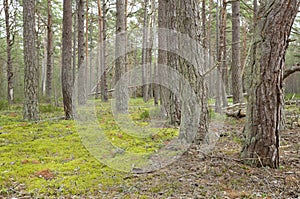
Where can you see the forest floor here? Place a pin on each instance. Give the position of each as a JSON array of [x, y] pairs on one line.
[[48, 160]]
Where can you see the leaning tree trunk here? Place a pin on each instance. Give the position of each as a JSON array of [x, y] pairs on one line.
[[66, 72], [31, 69], [274, 22]]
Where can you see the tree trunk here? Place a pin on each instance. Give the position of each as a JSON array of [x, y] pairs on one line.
[[223, 67], [99, 50], [74, 42], [172, 44], [9, 44], [81, 84], [150, 48], [120, 58], [162, 59], [144, 53], [87, 65], [237, 89], [219, 86], [44, 67], [31, 109], [188, 18], [104, 90], [49, 53], [66, 76], [266, 94], [155, 71], [210, 51]]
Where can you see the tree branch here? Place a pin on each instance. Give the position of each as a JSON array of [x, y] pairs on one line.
[[291, 71]]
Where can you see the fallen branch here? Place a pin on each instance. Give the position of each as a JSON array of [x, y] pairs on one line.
[[291, 71], [109, 91], [237, 114]]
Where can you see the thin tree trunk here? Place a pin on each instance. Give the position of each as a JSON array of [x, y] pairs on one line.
[[264, 113], [223, 51], [31, 108], [172, 42], [99, 50], [163, 56], [74, 42], [237, 88], [211, 88], [9, 44], [104, 90], [87, 64], [150, 48], [81, 84], [120, 56], [44, 67], [66, 76], [218, 103], [155, 69], [90, 80], [49, 53], [144, 53]]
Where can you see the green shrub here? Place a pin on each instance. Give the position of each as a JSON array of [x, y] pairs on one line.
[[3, 105], [48, 108], [145, 115]]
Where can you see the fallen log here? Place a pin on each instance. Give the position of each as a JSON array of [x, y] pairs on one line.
[[236, 114]]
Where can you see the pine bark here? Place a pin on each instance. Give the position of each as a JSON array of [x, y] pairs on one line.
[[174, 112], [9, 44], [162, 59], [237, 89], [81, 83], [265, 101], [101, 69], [144, 53], [49, 53], [31, 78], [188, 21], [66, 76], [120, 58], [104, 89]]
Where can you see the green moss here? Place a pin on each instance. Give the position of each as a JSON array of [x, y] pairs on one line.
[[26, 149]]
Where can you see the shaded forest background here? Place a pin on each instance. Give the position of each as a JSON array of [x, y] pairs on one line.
[[135, 21]]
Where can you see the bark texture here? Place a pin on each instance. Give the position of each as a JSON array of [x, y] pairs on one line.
[[31, 78], [9, 45], [237, 89], [120, 58], [144, 53], [274, 22], [192, 69], [49, 53], [67, 80], [101, 69], [81, 83], [162, 55]]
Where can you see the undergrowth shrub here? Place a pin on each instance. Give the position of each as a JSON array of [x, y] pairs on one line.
[[3, 105], [145, 115], [48, 108]]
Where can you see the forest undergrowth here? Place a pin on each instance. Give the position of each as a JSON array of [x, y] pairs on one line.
[[47, 159]]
